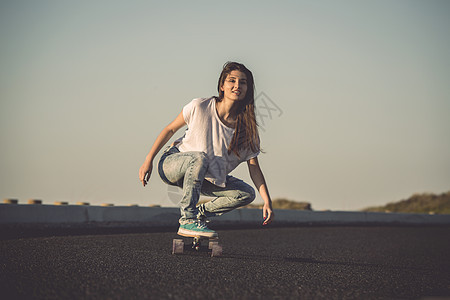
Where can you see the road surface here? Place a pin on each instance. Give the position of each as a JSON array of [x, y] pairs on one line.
[[271, 263]]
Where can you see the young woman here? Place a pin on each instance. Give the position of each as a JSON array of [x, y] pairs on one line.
[[222, 132]]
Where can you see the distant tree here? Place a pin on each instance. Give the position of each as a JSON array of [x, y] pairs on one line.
[[418, 203]]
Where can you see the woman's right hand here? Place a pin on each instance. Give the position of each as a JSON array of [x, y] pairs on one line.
[[146, 169], [145, 172]]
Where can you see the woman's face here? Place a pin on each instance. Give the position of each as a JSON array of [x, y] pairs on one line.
[[235, 86]]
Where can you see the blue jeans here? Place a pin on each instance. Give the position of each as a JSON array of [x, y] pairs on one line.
[[187, 170]]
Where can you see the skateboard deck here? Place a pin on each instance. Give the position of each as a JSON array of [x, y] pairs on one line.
[[192, 243]]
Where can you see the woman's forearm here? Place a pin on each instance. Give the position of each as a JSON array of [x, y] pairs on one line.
[[160, 141], [259, 181], [165, 136]]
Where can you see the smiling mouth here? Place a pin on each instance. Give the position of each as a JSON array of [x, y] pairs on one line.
[[236, 92]]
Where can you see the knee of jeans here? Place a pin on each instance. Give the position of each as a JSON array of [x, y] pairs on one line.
[[200, 158], [248, 196]]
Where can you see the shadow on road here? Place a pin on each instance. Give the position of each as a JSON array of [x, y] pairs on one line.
[[307, 260]]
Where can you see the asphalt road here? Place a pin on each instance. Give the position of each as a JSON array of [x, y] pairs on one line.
[[272, 263]]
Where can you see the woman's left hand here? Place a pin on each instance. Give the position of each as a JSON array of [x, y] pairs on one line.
[[267, 214]]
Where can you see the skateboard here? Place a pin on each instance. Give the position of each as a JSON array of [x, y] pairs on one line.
[[197, 244]]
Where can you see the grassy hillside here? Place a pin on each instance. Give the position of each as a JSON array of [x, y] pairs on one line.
[[418, 203]]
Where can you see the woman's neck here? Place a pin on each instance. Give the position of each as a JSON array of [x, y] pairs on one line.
[[227, 112]]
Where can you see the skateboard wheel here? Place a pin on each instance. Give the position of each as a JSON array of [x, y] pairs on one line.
[[216, 250], [212, 243], [177, 246]]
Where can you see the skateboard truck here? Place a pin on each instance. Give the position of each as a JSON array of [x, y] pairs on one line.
[[179, 246]]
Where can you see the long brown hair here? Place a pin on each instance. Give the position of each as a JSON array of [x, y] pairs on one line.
[[246, 130]]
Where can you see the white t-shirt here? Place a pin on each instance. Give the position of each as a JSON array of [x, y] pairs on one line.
[[207, 133]]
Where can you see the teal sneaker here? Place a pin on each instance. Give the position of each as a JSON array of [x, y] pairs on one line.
[[196, 228]]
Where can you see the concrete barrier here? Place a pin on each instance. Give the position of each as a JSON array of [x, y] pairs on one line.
[[168, 216], [83, 214], [345, 217]]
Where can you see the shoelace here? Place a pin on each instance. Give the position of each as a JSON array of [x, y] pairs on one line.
[[201, 224]]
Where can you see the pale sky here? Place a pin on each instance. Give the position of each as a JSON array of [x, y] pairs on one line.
[[360, 92]]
